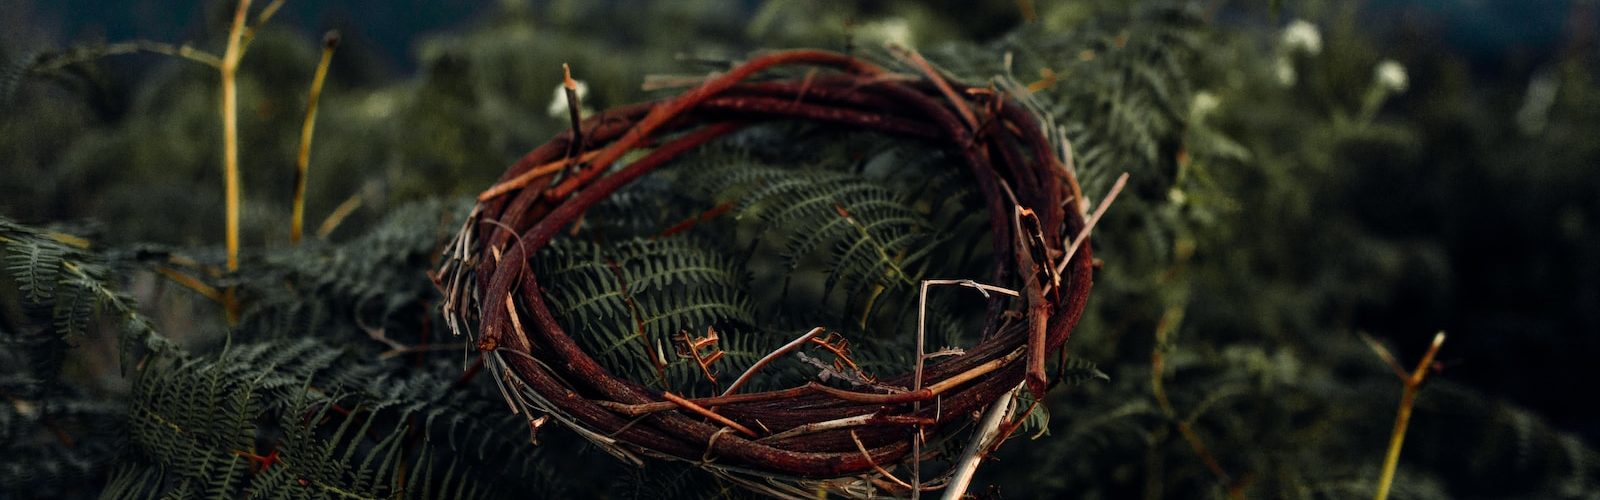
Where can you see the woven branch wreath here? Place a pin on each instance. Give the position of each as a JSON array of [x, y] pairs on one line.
[[811, 434]]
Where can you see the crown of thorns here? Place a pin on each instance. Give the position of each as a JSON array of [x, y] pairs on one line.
[[792, 440]]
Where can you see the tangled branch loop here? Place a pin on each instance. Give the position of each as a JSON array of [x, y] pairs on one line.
[[855, 432]]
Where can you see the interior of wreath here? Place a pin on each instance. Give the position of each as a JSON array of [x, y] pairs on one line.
[[687, 277]]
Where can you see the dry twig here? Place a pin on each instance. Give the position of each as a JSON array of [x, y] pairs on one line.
[[1402, 419], [750, 372], [330, 41], [986, 435]]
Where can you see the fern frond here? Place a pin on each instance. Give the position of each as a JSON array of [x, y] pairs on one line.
[[627, 301], [1079, 370], [36, 268], [12, 74], [71, 284], [285, 419]]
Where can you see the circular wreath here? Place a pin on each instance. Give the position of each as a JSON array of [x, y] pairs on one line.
[[811, 432]]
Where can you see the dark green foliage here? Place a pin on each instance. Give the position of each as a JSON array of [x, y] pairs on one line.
[[291, 417], [353, 289], [64, 282], [13, 70], [58, 435], [635, 305], [868, 234], [1265, 221], [1239, 245], [303, 419]]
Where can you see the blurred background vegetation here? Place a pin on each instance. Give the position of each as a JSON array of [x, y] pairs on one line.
[[1286, 196]]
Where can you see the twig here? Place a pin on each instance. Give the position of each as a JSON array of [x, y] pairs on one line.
[[661, 115], [792, 345], [191, 283], [1413, 383], [1069, 166], [911, 55], [574, 110], [345, 208], [329, 42], [988, 429], [1083, 235], [815, 427], [847, 422], [690, 347], [1036, 308], [689, 405], [261, 19], [1388, 359], [533, 174], [877, 467], [925, 393], [181, 51], [916, 378], [903, 397], [516, 322]]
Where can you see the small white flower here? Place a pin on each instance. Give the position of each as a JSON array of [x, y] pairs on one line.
[[1301, 35], [895, 31], [378, 105], [1203, 104], [1391, 76], [1285, 71], [558, 104]]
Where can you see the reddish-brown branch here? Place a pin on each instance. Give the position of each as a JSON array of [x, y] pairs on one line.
[[689, 405], [660, 115]]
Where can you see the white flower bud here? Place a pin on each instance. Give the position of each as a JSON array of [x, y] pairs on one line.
[[558, 104], [1300, 36], [895, 31], [1391, 76], [1285, 71], [1203, 104]]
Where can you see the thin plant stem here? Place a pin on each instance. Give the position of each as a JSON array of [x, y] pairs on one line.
[[303, 162], [702, 411], [876, 418], [230, 148], [1122, 181], [230, 130], [880, 468], [792, 345], [922, 313], [345, 208], [1402, 419], [1169, 322], [249, 33], [533, 174], [132, 47], [574, 109], [192, 283]]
